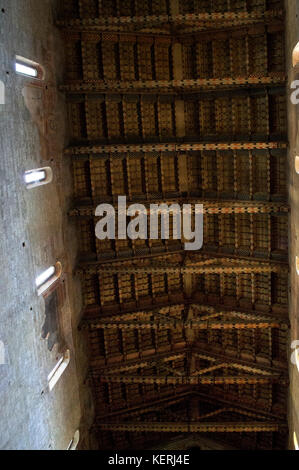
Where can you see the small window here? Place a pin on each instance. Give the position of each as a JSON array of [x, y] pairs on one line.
[[296, 442], [2, 93], [297, 358], [297, 265], [59, 369], [75, 441], [2, 353], [35, 176], [38, 177], [297, 164], [45, 280], [45, 276], [28, 68], [296, 55]]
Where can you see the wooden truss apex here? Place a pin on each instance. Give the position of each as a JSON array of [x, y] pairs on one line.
[[164, 363], [181, 316], [240, 419], [190, 396]]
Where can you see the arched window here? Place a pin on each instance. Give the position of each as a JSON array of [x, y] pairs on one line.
[[38, 177], [75, 441], [28, 68], [45, 280], [59, 369], [296, 55], [295, 441]]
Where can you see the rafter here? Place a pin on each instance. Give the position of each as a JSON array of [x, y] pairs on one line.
[[241, 406], [139, 409], [239, 364]]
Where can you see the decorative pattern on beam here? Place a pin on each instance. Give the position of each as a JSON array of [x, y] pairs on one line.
[[172, 147], [175, 86], [250, 426], [177, 324], [209, 207], [189, 380], [210, 265], [202, 21]]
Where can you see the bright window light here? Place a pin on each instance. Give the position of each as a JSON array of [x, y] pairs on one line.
[[297, 358], [26, 70], [53, 372], [296, 442], [58, 370], [75, 441], [48, 278], [38, 177], [34, 176], [296, 55], [45, 276]]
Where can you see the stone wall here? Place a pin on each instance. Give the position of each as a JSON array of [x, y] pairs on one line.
[[36, 233]]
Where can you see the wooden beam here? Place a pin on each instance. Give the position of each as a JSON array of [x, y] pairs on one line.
[[171, 86], [202, 21], [160, 324], [189, 380], [234, 426], [209, 206], [243, 407], [207, 266], [127, 149]]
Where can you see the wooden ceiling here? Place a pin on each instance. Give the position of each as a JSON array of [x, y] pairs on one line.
[[183, 101]]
